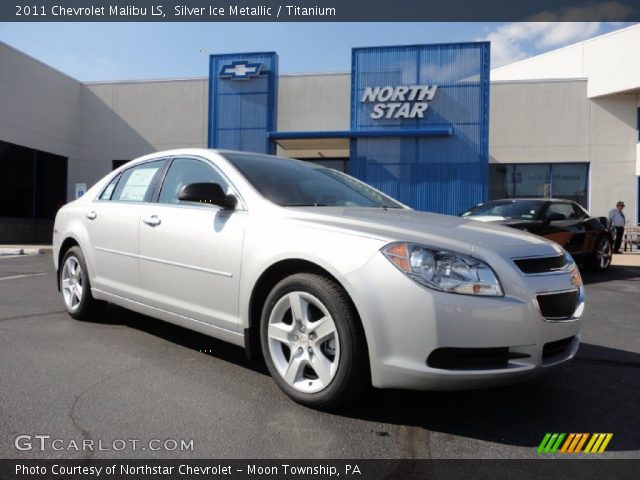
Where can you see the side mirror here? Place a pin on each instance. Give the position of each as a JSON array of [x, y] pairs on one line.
[[554, 217], [211, 193]]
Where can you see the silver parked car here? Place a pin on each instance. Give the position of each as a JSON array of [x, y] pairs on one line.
[[335, 284]]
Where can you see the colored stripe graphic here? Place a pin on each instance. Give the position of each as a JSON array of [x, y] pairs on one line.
[[582, 441], [606, 442], [567, 443], [543, 443], [574, 442], [598, 442], [550, 443]]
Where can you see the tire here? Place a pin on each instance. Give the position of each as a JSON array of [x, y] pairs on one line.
[[76, 288], [317, 355], [601, 257]]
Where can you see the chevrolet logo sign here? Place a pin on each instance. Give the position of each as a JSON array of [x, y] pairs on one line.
[[240, 70]]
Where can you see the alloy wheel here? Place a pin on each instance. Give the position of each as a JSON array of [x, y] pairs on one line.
[[604, 253], [303, 342], [72, 283]]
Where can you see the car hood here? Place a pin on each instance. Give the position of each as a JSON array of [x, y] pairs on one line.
[[443, 231], [487, 218], [495, 219]]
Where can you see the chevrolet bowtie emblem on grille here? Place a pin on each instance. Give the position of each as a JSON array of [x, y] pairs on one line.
[[240, 70]]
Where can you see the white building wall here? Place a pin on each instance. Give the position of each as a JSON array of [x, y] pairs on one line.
[[610, 63], [121, 121], [539, 122], [39, 106], [554, 121], [566, 63], [314, 102]]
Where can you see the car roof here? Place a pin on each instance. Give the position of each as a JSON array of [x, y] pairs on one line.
[[527, 199]]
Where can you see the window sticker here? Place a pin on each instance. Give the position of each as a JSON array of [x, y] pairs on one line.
[[137, 184]]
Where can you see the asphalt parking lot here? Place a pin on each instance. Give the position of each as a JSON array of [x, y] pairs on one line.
[[128, 376]]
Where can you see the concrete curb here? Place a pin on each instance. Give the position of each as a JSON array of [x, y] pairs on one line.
[[627, 259], [24, 250]]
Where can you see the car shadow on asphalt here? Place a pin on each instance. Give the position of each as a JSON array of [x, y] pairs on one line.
[[614, 272], [198, 342], [597, 392]]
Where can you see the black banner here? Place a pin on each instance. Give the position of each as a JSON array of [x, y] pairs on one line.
[[546, 469], [316, 10]]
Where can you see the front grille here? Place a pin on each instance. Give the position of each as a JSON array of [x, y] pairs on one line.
[[541, 264], [557, 348], [472, 358], [558, 306]]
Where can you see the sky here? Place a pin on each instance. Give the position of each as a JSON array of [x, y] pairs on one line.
[[134, 51]]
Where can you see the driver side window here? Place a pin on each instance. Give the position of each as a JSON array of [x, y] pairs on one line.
[[184, 171], [579, 213], [564, 209]]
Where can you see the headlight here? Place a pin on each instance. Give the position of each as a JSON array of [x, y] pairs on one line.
[[576, 278], [444, 270]]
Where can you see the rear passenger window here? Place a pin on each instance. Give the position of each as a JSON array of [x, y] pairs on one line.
[[107, 192], [136, 184]]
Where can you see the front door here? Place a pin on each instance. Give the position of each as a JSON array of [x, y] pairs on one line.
[[190, 254]]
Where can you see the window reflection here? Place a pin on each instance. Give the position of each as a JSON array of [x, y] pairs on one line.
[[540, 180]]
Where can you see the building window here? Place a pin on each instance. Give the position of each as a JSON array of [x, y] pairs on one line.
[[540, 180], [33, 184], [117, 163], [339, 164]]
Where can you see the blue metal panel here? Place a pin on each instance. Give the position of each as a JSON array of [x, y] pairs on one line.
[[425, 132], [243, 92], [441, 173], [304, 135]]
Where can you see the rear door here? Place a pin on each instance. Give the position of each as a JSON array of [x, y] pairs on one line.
[[112, 223], [190, 254]]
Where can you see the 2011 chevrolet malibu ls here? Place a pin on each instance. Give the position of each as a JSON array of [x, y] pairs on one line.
[[335, 284]]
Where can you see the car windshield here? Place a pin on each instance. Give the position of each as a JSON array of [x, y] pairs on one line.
[[294, 183], [508, 209]]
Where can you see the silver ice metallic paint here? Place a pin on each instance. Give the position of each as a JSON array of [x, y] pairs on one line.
[[198, 265]]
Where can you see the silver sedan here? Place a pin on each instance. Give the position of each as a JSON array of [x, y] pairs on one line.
[[336, 285]]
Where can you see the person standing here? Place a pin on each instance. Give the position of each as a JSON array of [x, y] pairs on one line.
[[616, 217]]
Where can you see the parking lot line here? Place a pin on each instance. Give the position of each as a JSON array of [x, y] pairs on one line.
[[13, 277]]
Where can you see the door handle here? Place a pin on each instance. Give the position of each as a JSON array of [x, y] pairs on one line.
[[152, 221], [91, 215]]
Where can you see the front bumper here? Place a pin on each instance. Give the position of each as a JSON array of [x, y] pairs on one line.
[[476, 341]]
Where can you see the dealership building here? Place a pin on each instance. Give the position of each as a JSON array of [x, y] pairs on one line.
[[432, 125]]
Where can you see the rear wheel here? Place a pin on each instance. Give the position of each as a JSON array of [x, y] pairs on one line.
[[313, 342], [601, 257], [76, 289]]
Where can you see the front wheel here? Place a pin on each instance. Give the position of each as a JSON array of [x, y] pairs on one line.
[[601, 257], [313, 342], [75, 287]]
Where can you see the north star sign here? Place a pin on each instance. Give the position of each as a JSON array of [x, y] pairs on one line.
[[404, 101]]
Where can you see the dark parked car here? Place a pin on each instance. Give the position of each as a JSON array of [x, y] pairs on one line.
[[586, 238]]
